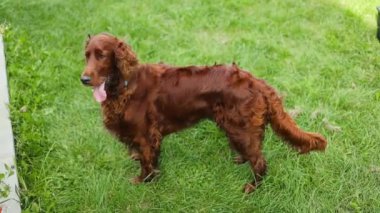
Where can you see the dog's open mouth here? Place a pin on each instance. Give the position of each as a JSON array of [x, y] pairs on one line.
[[100, 94]]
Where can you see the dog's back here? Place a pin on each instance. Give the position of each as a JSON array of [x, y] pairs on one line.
[[184, 95]]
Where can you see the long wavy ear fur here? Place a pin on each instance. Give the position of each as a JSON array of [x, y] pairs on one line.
[[125, 58]]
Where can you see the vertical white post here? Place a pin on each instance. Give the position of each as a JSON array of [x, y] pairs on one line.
[[8, 174]]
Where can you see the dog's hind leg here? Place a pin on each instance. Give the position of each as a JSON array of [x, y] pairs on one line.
[[245, 130], [238, 159], [248, 144], [252, 152]]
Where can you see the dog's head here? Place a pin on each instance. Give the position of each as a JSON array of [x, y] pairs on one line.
[[108, 64]]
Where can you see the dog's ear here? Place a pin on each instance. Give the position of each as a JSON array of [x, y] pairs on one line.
[[124, 56]]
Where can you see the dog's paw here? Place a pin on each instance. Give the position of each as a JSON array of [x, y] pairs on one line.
[[135, 156], [239, 160], [248, 188], [154, 174], [136, 180]]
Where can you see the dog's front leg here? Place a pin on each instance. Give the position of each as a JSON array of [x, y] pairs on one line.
[[148, 158]]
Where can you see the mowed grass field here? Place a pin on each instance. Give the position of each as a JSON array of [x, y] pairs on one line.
[[321, 55]]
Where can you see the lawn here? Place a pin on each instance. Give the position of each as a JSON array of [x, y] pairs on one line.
[[322, 55]]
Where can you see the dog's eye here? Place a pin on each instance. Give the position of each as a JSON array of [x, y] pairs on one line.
[[99, 55]]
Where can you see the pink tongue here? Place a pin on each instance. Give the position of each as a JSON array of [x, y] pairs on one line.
[[100, 94]]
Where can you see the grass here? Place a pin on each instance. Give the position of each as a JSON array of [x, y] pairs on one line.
[[322, 55]]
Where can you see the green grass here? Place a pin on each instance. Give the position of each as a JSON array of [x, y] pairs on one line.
[[322, 55]]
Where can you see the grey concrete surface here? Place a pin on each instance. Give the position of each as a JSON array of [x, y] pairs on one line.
[[9, 204]]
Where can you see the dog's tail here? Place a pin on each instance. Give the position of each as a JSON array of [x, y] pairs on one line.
[[285, 126]]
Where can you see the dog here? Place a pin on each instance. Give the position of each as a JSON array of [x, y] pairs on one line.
[[142, 103]]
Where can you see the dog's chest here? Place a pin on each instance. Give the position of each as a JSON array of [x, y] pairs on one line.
[[123, 119], [112, 116]]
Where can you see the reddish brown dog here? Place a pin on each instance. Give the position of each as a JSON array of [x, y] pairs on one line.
[[142, 103]]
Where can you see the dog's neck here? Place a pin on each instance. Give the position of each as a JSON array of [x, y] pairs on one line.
[[117, 82], [119, 90]]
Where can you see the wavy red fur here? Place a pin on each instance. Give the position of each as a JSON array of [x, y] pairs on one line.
[[161, 99]]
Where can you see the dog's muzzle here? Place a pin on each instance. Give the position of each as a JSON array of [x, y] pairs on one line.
[[85, 80]]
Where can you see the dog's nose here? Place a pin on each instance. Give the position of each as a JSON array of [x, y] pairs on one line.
[[85, 80]]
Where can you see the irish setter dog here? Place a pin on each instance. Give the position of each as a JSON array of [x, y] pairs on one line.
[[141, 103]]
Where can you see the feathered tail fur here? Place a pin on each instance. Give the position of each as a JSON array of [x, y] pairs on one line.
[[284, 126]]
